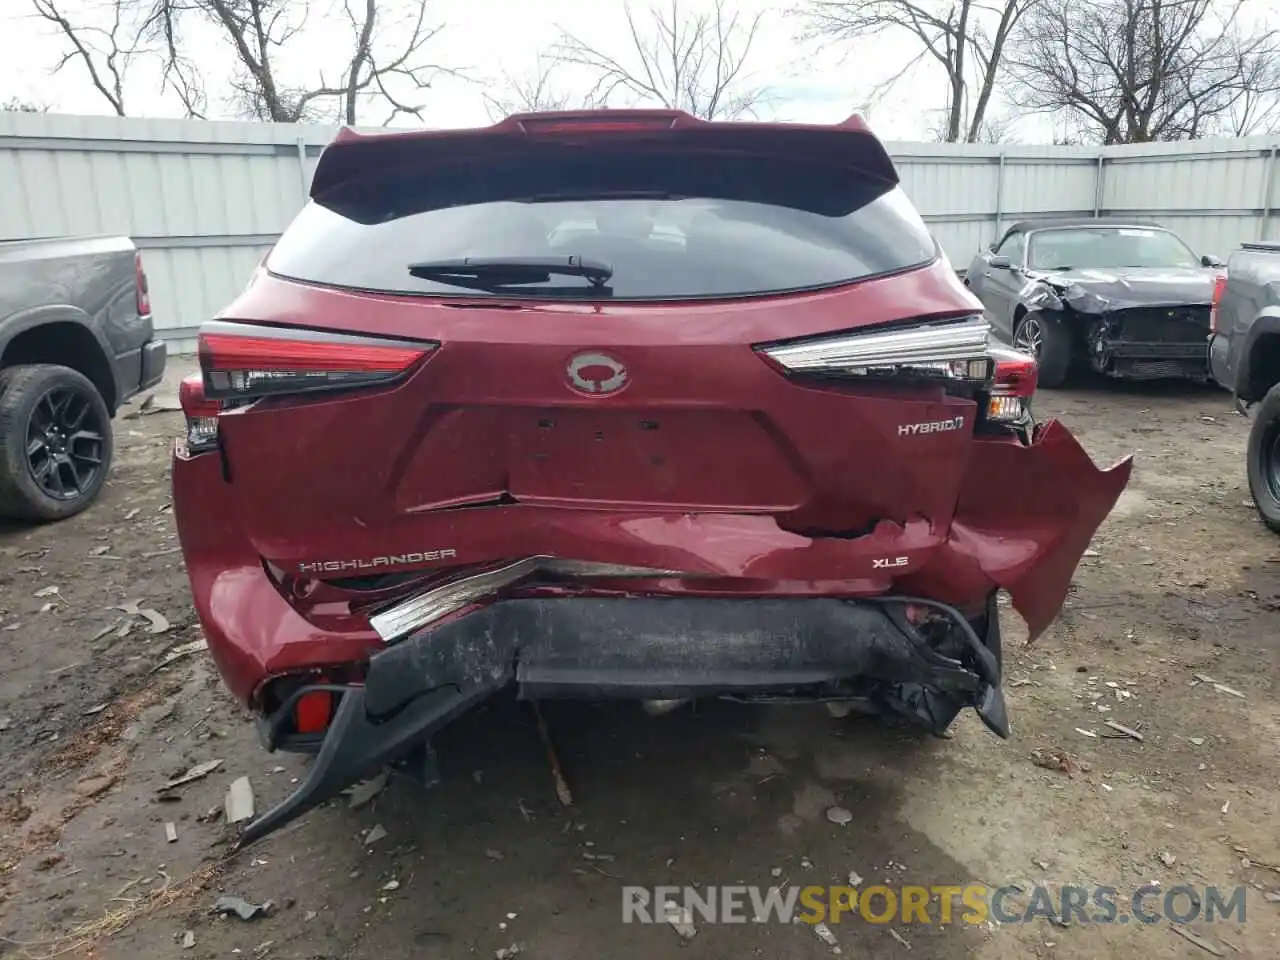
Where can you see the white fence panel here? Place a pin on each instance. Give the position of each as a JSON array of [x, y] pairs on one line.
[[205, 200]]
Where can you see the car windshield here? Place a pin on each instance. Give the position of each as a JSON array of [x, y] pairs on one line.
[[1084, 248], [668, 225]]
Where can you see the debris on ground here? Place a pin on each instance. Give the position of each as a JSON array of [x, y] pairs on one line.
[[375, 833], [855, 879], [1167, 858], [95, 785], [507, 953], [188, 940], [823, 933], [170, 832], [242, 908], [681, 920], [1121, 728], [1193, 937], [839, 816], [1060, 762], [493, 854], [1199, 678], [1086, 733], [238, 804], [366, 790], [899, 937], [198, 772], [557, 776], [46, 592], [180, 651], [391, 885]]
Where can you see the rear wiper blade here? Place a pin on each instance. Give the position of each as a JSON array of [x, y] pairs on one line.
[[484, 273]]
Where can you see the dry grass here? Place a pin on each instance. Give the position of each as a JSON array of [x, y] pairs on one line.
[[83, 940], [88, 743]]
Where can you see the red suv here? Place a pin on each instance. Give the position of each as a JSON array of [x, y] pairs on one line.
[[617, 404]]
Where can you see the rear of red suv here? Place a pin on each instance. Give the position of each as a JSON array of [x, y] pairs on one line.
[[618, 404]]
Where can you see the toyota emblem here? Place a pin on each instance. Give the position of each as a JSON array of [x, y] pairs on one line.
[[597, 373]]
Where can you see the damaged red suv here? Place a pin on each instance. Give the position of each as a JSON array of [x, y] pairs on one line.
[[618, 404]]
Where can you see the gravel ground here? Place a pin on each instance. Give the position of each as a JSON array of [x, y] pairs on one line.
[[1182, 582]]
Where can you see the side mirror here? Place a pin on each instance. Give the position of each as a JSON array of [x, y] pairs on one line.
[[1000, 263], [1209, 260]]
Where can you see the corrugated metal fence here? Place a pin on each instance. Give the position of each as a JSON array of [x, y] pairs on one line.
[[206, 200]]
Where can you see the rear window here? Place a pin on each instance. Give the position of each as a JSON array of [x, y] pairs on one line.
[[671, 226]]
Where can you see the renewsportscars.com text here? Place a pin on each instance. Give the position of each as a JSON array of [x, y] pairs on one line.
[[938, 904]]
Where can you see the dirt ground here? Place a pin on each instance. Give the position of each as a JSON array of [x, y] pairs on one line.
[[1184, 583]]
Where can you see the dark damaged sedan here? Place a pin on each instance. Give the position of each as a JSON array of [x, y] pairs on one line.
[[1130, 300]]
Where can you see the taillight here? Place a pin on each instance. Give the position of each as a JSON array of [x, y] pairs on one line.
[[1013, 383], [1219, 288], [142, 292], [201, 413], [934, 351], [312, 711], [243, 361]]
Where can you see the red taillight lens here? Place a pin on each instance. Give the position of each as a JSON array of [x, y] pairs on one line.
[[1219, 288], [142, 290], [1015, 376], [201, 413], [1013, 383], [243, 361], [312, 711]]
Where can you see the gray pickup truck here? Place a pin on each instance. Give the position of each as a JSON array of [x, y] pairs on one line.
[[1244, 357], [76, 341]]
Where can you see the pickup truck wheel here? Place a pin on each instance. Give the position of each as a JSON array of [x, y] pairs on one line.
[[55, 442], [1264, 459], [1049, 342]]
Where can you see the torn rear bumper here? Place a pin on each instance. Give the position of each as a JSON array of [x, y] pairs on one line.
[[660, 648]]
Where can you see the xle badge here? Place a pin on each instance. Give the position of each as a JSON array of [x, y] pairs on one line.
[[597, 373]]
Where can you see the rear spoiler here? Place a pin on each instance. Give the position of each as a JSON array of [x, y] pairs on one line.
[[353, 155]]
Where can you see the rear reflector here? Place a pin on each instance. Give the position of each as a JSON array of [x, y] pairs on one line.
[[246, 361], [1219, 288], [312, 711], [142, 288], [201, 413]]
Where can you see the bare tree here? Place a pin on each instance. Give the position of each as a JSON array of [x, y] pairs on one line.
[[681, 60], [16, 105], [106, 51], [1134, 71], [530, 93], [384, 63], [993, 130], [967, 38]]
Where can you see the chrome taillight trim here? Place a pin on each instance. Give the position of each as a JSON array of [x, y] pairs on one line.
[[928, 347], [424, 609]]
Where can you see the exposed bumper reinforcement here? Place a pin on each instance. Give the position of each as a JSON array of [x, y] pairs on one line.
[[663, 648]]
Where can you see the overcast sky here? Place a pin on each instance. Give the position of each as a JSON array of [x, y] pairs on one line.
[[486, 38]]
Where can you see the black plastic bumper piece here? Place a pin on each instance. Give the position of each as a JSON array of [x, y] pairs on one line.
[[597, 648], [154, 354]]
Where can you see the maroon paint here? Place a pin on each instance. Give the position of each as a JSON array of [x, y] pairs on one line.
[[750, 458]]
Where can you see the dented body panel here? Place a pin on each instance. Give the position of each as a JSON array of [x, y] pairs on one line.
[[1005, 534]]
